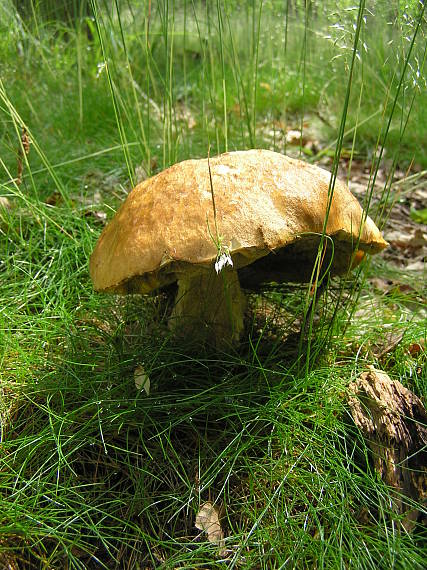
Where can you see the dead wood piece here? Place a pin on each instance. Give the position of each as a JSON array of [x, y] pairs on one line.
[[394, 421]]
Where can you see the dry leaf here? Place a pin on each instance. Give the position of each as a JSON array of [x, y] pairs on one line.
[[418, 240], [7, 562], [416, 266], [54, 198], [100, 217], [294, 137], [142, 381], [416, 348], [208, 520], [236, 109], [389, 341], [380, 283], [407, 238], [140, 174], [184, 115], [5, 208]]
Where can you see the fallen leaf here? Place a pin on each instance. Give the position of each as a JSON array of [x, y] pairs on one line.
[[388, 343], [142, 172], [280, 125], [8, 562], [208, 521], [406, 237], [185, 115], [54, 198], [24, 148], [416, 266], [294, 137], [380, 283], [401, 288], [418, 240], [236, 109], [416, 348], [142, 381], [100, 217], [5, 210]]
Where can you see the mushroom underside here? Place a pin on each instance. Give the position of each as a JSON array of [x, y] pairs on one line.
[[210, 305], [292, 263]]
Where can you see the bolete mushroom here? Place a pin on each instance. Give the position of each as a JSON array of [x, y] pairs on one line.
[[212, 226]]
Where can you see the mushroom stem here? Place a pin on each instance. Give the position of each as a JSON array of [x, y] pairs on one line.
[[210, 306]]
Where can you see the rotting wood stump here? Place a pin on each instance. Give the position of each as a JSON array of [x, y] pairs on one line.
[[394, 422]]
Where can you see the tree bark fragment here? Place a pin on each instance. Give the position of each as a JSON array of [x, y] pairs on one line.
[[394, 422]]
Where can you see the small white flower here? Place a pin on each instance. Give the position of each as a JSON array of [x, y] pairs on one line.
[[223, 260], [100, 67]]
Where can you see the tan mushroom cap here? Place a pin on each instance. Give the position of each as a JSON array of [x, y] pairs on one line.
[[264, 202]]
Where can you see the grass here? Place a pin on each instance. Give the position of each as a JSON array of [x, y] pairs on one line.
[[94, 473]]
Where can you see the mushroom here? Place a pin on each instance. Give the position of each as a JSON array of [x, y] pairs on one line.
[[215, 225]]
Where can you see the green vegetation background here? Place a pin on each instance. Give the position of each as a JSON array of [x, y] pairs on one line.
[[94, 473]]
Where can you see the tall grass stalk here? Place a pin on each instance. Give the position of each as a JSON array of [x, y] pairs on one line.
[[145, 151], [242, 96], [313, 285], [107, 61], [224, 85], [256, 29]]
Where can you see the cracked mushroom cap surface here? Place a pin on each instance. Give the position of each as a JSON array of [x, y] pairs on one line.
[[270, 212]]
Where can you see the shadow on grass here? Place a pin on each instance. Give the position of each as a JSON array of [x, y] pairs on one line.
[[107, 476], [107, 473]]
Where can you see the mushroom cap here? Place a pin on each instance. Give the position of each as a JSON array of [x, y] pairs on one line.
[[270, 212]]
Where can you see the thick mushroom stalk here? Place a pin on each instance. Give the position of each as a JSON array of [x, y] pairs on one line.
[[209, 306]]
